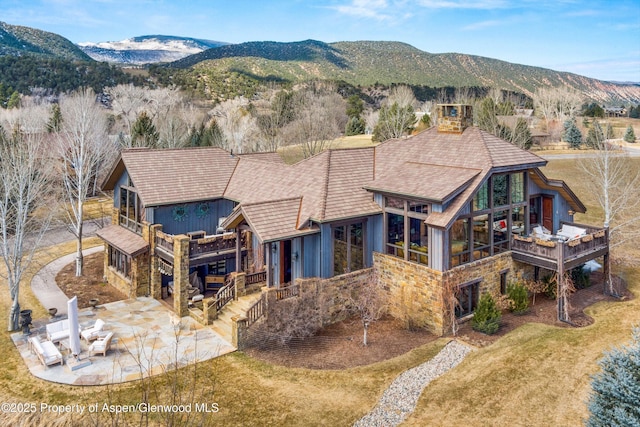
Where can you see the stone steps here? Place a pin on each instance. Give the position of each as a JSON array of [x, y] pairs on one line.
[[223, 324]]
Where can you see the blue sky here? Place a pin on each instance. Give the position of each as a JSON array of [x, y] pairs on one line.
[[599, 39]]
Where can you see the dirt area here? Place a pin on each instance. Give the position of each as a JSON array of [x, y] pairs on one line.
[[90, 285], [339, 346]]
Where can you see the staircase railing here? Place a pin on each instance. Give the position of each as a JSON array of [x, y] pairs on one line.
[[256, 311], [225, 295]]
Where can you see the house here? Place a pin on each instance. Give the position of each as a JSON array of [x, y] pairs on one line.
[[450, 204]]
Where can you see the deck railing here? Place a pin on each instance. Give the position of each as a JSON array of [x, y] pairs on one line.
[[595, 240], [253, 278], [164, 241], [287, 292]]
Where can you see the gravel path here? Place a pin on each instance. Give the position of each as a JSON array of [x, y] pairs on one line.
[[400, 399]]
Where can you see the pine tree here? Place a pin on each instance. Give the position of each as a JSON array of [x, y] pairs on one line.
[[616, 390], [487, 315], [355, 126], [572, 134], [629, 135], [14, 100], [55, 121], [143, 132], [595, 137]]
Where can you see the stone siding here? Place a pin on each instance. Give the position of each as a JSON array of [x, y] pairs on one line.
[[414, 291]]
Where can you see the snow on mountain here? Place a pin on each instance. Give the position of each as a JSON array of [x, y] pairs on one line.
[[147, 49]]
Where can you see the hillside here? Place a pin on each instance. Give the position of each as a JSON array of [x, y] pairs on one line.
[[16, 40], [365, 63], [147, 49]]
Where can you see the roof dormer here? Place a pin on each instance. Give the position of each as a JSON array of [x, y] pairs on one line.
[[454, 118]]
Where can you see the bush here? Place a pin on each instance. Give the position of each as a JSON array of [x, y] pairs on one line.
[[581, 279], [486, 318], [519, 297], [551, 287], [616, 390]]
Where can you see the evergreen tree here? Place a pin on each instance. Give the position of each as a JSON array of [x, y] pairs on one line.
[[14, 100], [55, 121], [355, 126], [487, 316], [572, 134], [595, 137], [355, 106], [616, 390], [143, 132], [629, 135]]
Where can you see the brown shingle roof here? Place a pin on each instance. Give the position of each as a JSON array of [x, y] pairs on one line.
[[181, 175], [271, 220], [435, 183], [123, 239]]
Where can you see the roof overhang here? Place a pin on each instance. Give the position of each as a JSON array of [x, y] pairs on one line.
[[124, 240], [558, 185]]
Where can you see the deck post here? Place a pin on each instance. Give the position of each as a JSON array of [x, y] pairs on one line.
[[238, 250], [561, 297]]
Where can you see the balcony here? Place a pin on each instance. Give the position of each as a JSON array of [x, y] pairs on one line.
[[202, 249], [560, 255]]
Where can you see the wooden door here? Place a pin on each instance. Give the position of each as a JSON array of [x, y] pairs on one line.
[[547, 212]]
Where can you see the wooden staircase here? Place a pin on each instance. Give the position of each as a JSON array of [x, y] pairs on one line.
[[223, 324]]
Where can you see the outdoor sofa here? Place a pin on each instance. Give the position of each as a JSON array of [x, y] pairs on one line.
[[58, 331], [46, 351], [92, 332]]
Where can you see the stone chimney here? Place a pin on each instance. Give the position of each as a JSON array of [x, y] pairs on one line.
[[454, 118]]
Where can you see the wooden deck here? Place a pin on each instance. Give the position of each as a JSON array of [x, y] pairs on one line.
[[559, 255], [201, 250]]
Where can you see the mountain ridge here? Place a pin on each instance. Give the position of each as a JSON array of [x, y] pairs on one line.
[[148, 49], [366, 63], [18, 40]]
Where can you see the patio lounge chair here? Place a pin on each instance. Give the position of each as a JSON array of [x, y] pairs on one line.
[[101, 345], [92, 332]]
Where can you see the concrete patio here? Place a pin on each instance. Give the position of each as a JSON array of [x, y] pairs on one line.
[[146, 342]]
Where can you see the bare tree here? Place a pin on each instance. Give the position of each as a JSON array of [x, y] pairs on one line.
[[237, 124], [127, 101], [615, 181], [464, 95], [24, 214], [82, 145], [557, 103], [320, 116], [369, 303]]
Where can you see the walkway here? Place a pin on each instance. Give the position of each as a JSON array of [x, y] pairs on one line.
[[146, 341], [44, 285], [400, 399]]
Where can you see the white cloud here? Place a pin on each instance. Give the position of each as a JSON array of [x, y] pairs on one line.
[[374, 9], [464, 4]]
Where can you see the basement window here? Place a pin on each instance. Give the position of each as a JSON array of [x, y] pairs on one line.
[[468, 296]]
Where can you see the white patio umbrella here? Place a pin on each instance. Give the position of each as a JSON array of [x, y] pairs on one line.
[[74, 327]]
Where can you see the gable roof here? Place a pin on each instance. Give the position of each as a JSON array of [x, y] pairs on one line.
[[271, 220], [172, 176]]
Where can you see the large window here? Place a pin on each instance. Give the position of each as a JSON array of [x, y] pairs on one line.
[[497, 211], [348, 248], [131, 213], [120, 261], [407, 235]]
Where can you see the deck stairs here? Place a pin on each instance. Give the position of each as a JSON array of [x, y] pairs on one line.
[[223, 324]]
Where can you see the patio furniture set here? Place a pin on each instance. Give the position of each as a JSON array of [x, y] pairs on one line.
[[98, 340]]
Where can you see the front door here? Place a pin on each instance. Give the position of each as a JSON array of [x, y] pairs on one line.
[[285, 262], [547, 212]]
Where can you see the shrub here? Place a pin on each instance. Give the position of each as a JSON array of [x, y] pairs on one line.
[[519, 297], [551, 287], [616, 390], [581, 278], [486, 318]]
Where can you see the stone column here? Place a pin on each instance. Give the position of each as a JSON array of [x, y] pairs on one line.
[[240, 284], [115, 216], [180, 274], [154, 274]]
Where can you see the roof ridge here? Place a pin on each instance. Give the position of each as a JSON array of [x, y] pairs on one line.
[[413, 162], [325, 189], [284, 199], [226, 187]]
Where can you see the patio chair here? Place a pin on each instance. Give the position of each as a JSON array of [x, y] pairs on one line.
[[101, 345], [91, 333]]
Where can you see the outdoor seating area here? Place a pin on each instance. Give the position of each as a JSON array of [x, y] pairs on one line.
[[123, 341]]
